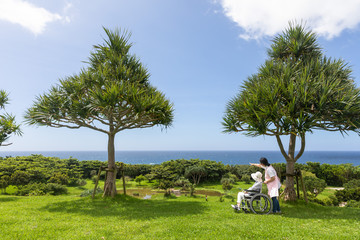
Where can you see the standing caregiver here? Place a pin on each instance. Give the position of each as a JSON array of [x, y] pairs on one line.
[[272, 181]]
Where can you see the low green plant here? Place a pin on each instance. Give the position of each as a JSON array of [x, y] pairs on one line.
[[139, 179], [227, 183], [56, 189], [33, 189], [314, 185], [348, 194], [89, 192], [353, 204], [352, 184], [59, 178], [166, 185], [246, 179]]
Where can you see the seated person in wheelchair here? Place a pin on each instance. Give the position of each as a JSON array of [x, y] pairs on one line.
[[256, 188]]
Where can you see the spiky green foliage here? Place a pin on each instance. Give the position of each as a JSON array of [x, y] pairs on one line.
[[8, 126], [297, 90], [112, 94]]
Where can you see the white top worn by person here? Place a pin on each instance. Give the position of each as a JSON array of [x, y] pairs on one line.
[[257, 186]]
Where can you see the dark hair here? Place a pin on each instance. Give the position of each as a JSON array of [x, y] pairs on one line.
[[264, 161]]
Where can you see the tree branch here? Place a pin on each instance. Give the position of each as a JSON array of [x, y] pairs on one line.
[[281, 146], [5, 144], [302, 147]]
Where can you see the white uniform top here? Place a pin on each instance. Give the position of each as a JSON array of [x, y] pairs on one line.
[[273, 187]]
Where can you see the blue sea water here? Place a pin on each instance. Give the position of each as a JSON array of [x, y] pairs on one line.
[[226, 157]]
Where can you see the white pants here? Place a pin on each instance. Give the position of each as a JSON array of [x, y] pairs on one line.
[[241, 196]]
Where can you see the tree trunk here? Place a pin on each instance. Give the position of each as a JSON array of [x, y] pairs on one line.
[[110, 183], [289, 192]]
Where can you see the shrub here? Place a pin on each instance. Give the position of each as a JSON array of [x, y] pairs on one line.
[[230, 176], [139, 179], [316, 200], [20, 178], [348, 194], [59, 178], [33, 189], [192, 189], [227, 183], [328, 202], [314, 185], [4, 183], [89, 192], [56, 189], [94, 178], [334, 200], [183, 183], [150, 177], [353, 204], [355, 183], [81, 182], [166, 185], [246, 179]]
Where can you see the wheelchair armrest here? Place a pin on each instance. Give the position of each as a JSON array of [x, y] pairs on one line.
[[251, 191]]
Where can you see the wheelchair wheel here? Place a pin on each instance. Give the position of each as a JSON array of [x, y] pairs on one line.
[[260, 204]]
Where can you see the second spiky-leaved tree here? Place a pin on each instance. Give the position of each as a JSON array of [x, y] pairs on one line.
[[112, 94], [297, 90]]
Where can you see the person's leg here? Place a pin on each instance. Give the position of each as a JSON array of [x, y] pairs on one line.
[[240, 198], [276, 205]]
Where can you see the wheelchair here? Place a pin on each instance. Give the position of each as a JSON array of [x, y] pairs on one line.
[[256, 202]]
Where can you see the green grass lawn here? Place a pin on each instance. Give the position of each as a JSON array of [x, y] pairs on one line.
[[72, 217]]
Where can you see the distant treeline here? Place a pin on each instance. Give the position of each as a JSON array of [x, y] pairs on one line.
[[39, 169]]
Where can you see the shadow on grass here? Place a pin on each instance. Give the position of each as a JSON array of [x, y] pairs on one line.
[[315, 211], [8, 199], [127, 207]]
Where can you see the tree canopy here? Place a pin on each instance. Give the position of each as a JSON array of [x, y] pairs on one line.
[[111, 94], [297, 90], [8, 125]]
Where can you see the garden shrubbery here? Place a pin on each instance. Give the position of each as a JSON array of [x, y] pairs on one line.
[[37, 175], [38, 189]]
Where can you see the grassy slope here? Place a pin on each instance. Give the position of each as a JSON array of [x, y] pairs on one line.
[[72, 217]]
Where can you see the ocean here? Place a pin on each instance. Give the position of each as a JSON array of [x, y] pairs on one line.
[[226, 157]]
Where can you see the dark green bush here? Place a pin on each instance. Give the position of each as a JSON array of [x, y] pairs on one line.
[[348, 194], [59, 178], [81, 182], [56, 189], [353, 204], [246, 179], [231, 176], [334, 200], [19, 178], [314, 185], [4, 183], [89, 192], [355, 183], [139, 179], [227, 183], [134, 170], [183, 183], [166, 185], [34, 189]]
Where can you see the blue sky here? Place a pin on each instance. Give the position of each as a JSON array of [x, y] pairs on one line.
[[198, 53]]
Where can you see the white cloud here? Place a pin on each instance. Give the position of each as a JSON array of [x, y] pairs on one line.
[[27, 15], [260, 18]]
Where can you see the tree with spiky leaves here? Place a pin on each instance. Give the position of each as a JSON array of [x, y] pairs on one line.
[[8, 125], [112, 94], [297, 90]]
